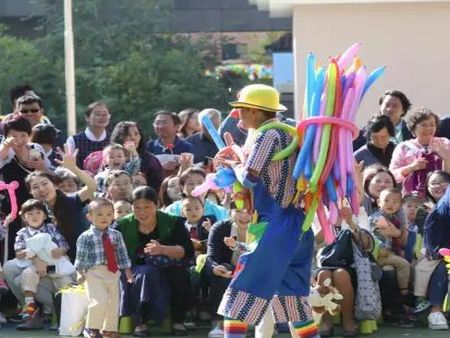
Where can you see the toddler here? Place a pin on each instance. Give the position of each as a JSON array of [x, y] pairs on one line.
[[121, 209], [101, 254], [115, 158], [390, 203], [40, 250], [198, 225]]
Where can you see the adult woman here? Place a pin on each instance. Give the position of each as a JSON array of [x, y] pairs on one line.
[[344, 279], [436, 236], [379, 147], [189, 123], [375, 180], [412, 160], [170, 191], [148, 234], [128, 131], [394, 104], [67, 211], [18, 158]]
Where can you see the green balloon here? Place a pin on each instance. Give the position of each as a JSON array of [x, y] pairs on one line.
[[287, 128], [325, 140]]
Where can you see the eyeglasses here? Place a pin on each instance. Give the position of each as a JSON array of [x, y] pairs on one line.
[[33, 111]]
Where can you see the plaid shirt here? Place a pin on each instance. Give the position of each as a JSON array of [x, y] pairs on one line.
[[49, 228], [385, 242], [90, 251]]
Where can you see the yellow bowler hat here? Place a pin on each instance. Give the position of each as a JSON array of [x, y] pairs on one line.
[[259, 96]]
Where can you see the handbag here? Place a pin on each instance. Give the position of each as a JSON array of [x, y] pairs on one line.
[[367, 295], [338, 254], [73, 310]]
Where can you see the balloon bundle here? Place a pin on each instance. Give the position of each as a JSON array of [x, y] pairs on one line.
[[324, 167]]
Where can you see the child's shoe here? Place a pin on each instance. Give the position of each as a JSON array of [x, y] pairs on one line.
[[421, 306], [91, 333], [29, 310]]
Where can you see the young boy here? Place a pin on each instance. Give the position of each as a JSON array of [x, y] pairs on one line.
[[101, 253], [197, 224], [411, 204], [390, 203]]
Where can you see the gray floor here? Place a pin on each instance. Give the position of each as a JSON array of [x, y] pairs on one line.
[[8, 331]]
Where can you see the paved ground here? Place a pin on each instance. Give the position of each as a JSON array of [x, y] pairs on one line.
[[8, 331]]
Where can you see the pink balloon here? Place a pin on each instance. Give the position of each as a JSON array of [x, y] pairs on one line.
[[444, 252], [347, 57], [206, 186], [334, 213], [342, 154], [324, 225], [11, 188]]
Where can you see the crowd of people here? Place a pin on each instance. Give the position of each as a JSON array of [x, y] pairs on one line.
[[109, 208]]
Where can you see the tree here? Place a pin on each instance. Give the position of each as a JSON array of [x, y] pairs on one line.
[[121, 57]]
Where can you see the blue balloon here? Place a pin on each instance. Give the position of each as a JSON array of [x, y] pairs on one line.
[[376, 73], [331, 189], [305, 151], [350, 185], [225, 177], [213, 132]]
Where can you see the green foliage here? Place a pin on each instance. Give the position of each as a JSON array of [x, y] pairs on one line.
[[118, 58]]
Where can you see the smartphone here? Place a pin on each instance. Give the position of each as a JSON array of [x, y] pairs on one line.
[[51, 269], [35, 154]]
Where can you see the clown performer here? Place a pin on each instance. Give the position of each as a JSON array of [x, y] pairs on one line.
[[275, 275]]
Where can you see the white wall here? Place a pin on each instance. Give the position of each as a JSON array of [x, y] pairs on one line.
[[412, 40]]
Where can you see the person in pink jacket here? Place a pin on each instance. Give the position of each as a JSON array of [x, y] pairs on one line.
[[412, 160]]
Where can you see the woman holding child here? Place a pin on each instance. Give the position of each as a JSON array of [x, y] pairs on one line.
[[157, 245]]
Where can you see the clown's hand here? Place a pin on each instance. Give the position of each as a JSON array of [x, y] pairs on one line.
[[227, 156]]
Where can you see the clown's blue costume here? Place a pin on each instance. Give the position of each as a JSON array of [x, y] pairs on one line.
[[275, 276]]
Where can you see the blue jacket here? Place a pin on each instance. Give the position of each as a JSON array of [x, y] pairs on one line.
[[437, 226]]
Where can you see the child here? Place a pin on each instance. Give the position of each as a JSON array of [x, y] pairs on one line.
[[101, 253], [138, 179], [121, 209], [115, 158], [68, 181], [390, 202], [197, 224], [411, 204], [35, 218]]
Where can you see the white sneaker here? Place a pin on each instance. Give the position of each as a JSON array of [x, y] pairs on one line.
[[216, 332], [2, 319], [190, 325], [437, 321]]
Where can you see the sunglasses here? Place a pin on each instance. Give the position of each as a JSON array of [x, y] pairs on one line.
[[33, 111]]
